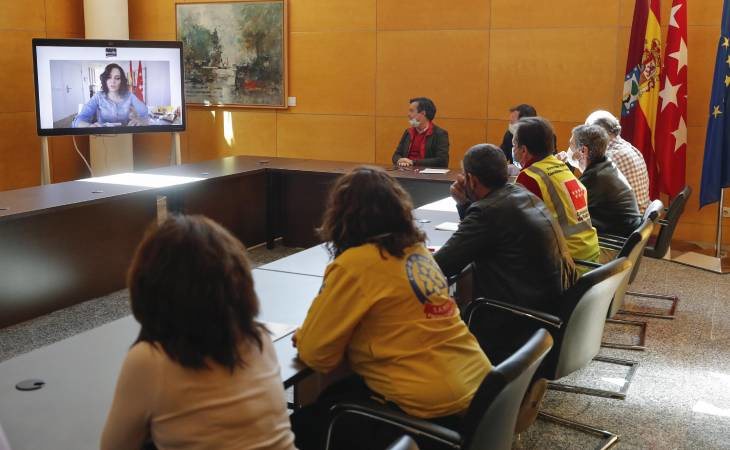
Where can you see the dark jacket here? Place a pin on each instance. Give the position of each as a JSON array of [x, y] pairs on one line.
[[506, 146], [437, 149], [518, 251], [611, 202]]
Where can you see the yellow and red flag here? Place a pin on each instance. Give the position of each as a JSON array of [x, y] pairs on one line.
[[671, 125], [139, 85], [641, 86]]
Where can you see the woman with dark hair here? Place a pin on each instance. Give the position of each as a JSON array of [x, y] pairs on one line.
[[203, 372], [114, 105], [384, 309]]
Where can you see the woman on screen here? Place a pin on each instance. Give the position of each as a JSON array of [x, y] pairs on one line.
[[114, 105]]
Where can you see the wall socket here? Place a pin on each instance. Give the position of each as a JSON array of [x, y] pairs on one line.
[[726, 211]]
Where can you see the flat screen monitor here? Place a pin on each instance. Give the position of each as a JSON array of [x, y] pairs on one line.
[[85, 86]]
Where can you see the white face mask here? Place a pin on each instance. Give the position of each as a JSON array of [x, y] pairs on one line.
[[512, 128], [414, 122], [515, 161], [582, 164]]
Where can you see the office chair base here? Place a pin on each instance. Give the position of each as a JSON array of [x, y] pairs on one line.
[[670, 315], [640, 346], [609, 439], [621, 394]]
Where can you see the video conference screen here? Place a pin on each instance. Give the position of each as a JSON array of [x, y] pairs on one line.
[[108, 87]]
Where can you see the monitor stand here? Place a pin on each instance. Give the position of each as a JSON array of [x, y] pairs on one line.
[[175, 156], [45, 161]]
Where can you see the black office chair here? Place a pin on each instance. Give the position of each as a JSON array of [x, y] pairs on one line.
[[489, 422], [577, 331], [404, 443], [653, 213], [658, 248], [632, 249]]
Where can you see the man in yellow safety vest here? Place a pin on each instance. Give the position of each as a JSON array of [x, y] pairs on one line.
[[533, 148]]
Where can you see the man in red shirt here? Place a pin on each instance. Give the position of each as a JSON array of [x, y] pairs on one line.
[[423, 144]]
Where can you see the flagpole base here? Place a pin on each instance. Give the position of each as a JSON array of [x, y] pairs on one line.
[[694, 255]]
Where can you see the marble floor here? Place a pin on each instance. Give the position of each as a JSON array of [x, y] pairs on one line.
[[679, 398]]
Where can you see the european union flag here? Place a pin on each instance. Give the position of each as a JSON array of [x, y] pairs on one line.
[[716, 165]]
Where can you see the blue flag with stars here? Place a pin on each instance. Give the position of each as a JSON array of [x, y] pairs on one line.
[[716, 165]]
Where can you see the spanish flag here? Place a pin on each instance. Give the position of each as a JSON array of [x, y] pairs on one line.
[[641, 86]]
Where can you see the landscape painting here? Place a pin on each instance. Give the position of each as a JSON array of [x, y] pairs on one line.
[[234, 53]]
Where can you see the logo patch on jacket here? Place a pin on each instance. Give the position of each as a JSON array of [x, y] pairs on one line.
[[578, 198], [427, 280]]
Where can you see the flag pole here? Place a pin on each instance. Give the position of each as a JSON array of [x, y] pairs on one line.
[[718, 242]]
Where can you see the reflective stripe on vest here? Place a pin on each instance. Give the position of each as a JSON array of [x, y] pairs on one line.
[[568, 228]]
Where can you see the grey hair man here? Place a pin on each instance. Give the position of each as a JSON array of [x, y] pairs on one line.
[[628, 159], [611, 201]]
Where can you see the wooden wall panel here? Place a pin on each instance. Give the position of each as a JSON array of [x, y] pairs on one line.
[[450, 67], [337, 138], [333, 72], [521, 14], [332, 15], [28, 15], [552, 69], [434, 15]]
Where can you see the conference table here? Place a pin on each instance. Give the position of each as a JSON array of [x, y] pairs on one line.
[[80, 372], [47, 262], [313, 261]]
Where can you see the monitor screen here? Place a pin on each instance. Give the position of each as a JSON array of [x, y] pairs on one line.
[[108, 87]]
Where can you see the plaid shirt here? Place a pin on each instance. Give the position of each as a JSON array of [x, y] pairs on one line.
[[630, 163]]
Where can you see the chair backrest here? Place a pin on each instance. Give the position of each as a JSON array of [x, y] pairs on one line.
[[633, 250], [654, 213], [654, 210], [492, 415], [583, 310], [404, 443], [668, 224]]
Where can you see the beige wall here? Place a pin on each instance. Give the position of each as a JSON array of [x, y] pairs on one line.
[[354, 63]]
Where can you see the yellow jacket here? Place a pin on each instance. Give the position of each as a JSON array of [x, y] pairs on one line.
[[399, 328], [567, 198]]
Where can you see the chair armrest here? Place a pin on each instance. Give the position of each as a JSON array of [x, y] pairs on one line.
[[382, 413], [610, 245], [533, 314], [469, 269], [591, 264], [612, 237]]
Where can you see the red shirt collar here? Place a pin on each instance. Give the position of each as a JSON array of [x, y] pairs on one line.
[[429, 131]]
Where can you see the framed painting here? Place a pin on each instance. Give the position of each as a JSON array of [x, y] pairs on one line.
[[234, 53]]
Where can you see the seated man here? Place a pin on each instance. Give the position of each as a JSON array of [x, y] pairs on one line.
[[611, 202], [518, 252], [627, 158], [550, 179], [423, 144], [516, 113]]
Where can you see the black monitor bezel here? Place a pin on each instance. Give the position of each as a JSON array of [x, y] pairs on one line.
[[43, 42]]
